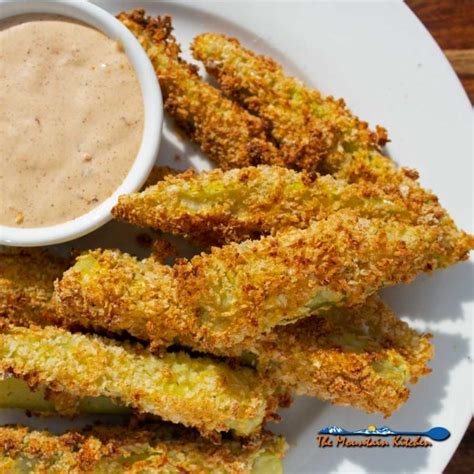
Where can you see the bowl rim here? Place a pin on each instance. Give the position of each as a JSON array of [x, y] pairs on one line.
[[153, 121]]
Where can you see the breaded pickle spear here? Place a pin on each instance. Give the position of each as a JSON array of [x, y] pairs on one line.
[[366, 349], [223, 206], [297, 113], [26, 284], [228, 134], [307, 126], [158, 449], [197, 392], [239, 291], [362, 357]]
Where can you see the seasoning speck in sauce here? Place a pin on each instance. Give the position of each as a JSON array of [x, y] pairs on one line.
[[71, 119]]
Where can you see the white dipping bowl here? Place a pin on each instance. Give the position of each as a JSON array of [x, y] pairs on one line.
[[153, 120]]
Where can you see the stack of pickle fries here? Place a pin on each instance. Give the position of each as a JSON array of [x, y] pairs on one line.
[[304, 220]]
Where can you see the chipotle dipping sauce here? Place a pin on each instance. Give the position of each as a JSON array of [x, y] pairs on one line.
[[71, 119]]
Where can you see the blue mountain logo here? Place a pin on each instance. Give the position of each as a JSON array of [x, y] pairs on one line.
[[437, 433]]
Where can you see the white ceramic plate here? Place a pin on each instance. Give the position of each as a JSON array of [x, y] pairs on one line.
[[385, 64]]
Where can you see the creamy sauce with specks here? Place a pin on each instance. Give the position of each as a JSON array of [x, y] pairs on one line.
[[71, 119]]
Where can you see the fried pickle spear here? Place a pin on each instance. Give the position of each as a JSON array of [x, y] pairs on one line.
[[26, 284], [307, 126], [362, 357], [113, 449], [235, 205], [300, 115], [240, 291], [228, 134], [366, 349], [197, 392]]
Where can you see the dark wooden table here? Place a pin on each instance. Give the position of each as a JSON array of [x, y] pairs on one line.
[[451, 22]]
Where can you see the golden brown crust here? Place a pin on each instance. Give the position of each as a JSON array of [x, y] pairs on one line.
[[306, 126], [111, 290], [26, 284], [229, 135], [239, 291], [158, 448], [235, 205], [308, 356], [361, 357], [350, 151], [198, 392]]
